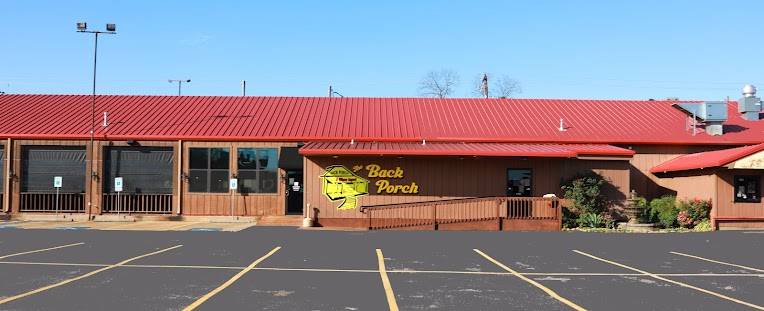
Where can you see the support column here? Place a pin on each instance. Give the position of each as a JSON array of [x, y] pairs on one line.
[[8, 152], [179, 178]]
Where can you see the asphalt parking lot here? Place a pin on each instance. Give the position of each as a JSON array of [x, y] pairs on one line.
[[287, 269]]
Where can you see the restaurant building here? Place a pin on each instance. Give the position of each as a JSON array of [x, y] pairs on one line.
[[411, 163]]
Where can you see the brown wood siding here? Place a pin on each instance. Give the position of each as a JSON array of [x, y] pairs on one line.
[[645, 183], [614, 171], [728, 208], [252, 204], [441, 178]]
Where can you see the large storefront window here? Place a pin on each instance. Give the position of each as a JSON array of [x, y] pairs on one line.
[[748, 189], [143, 169], [208, 170], [257, 169], [41, 164], [519, 182]]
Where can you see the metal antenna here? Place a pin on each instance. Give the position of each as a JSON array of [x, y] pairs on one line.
[[243, 87]]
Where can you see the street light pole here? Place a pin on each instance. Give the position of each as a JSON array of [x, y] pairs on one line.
[[180, 81], [83, 28]]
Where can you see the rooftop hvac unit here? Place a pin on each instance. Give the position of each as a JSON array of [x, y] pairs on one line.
[[711, 113], [749, 105]]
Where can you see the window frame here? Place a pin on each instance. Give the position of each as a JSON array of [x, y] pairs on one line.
[[530, 170], [259, 170], [747, 180], [208, 171]]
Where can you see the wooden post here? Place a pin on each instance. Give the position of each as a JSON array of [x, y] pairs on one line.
[[179, 177], [8, 153], [435, 216]]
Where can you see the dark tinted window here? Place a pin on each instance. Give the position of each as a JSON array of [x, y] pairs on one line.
[[257, 170], [143, 169], [748, 189], [208, 170], [42, 163], [519, 183]]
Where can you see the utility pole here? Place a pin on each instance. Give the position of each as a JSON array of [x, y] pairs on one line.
[[484, 85], [179, 83], [332, 92]]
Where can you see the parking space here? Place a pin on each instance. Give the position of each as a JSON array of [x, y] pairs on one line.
[[287, 269]]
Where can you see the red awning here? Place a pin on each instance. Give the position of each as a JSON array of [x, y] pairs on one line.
[[706, 159], [462, 149]]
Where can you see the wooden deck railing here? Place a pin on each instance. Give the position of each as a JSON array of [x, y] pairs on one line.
[[48, 203], [434, 213], [137, 203]]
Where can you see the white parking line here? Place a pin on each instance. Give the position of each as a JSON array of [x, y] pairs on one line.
[[91, 273], [547, 290], [718, 262], [230, 281], [702, 290], [41, 250]]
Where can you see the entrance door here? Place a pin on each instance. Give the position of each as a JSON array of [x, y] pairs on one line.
[[294, 190], [519, 184]]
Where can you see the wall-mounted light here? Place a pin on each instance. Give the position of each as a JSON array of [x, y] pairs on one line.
[[133, 143]]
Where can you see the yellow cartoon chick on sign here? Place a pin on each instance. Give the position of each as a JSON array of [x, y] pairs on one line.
[[340, 183]]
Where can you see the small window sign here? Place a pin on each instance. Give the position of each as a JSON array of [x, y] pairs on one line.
[[58, 182], [296, 186], [233, 184], [118, 184]]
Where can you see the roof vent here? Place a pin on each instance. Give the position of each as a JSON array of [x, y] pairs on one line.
[[749, 105], [711, 113]]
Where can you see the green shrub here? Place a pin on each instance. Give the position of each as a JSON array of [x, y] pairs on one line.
[[703, 225], [591, 220], [664, 211], [585, 193]]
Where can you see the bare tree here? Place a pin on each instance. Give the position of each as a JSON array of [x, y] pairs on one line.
[[501, 87], [440, 84]]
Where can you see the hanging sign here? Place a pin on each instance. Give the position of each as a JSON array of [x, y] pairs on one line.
[[233, 184], [118, 184], [58, 182]]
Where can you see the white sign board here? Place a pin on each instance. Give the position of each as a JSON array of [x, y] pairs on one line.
[[118, 184], [233, 184], [296, 186], [58, 182]]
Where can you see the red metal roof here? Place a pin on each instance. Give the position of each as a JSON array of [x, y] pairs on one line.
[[228, 118], [706, 159], [462, 149]]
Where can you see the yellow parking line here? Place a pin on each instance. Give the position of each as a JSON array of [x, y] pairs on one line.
[[705, 291], [532, 282], [716, 261], [230, 281], [41, 250], [91, 273], [386, 282]]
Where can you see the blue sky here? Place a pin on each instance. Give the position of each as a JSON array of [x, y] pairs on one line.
[[556, 49]]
